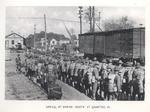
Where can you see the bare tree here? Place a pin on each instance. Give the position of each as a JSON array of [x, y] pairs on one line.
[[117, 24]]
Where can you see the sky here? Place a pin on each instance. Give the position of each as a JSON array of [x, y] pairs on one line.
[[21, 19]]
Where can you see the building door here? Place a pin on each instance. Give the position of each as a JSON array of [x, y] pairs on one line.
[[19, 46], [7, 44]]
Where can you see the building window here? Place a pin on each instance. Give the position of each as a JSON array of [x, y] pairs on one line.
[[12, 42]]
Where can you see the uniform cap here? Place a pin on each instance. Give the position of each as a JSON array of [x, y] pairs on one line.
[[95, 59], [109, 67], [109, 61], [120, 62], [104, 61], [138, 64], [128, 64], [116, 69], [96, 63]]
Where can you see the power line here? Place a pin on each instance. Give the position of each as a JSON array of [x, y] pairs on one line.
[[48, 18]]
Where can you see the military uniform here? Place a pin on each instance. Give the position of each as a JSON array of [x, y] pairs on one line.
[[76, 69], [51, 76], [72, 67], [111, 86], [95, 79], [18, 63], [88, 79], [63, 71], [138, 82], [68, 72]]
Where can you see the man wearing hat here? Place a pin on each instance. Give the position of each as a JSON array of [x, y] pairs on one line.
[[71, 69], [68, 62], [120, 63], [95, 79], [95, 60], [127, 80], [80, 76], [110, 64], [88, 78], [103, 74], [76, 79], [18, 63], [138, 82], [118, 82], [63, 70], [104, 64], [84, 80], [110, 82]]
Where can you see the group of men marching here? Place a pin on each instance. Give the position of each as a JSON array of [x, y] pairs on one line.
[[98, 80], [103, 80]]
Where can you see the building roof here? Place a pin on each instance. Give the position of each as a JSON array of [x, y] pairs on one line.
[[14, 34], [112, 31], [64, 38], [50, 36]]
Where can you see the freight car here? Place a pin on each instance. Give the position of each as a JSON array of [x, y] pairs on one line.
[[125, 43]]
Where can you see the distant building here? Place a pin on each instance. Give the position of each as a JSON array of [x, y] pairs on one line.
[[51, 43], [14, 40], [53, 40], [64, 41], [74, 41]]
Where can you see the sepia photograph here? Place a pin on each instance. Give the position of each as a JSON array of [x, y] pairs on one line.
[[89, 53]]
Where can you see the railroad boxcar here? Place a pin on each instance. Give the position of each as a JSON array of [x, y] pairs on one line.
[[126, 43]]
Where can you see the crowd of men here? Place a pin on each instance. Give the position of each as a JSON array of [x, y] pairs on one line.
[[100, 80]]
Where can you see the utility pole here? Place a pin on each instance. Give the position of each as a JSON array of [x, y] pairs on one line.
[[80, 16], [34, 35], [45, 33], [93, 16], [90, 18], [99, 18]]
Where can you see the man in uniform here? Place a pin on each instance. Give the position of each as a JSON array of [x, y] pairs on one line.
[[95, 79], [63, 70], [29, 70], [110, 64], [103, 74], [127, 81], [51, 77], [85, 77], [80, 75], [138, 82], [72, 66], [67, 71], [110, 82], [25, 66], [18, 63], [118, 83], [88, 78], [76, 77]]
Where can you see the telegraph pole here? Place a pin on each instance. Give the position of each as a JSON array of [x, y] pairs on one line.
[[45, 33], [90, 18], [80, 16], [99, 18], [93, 16], [34, 35]]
